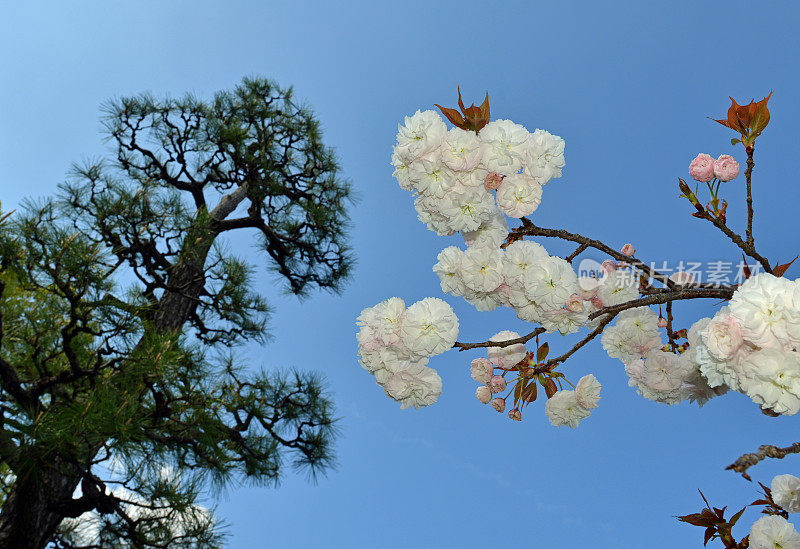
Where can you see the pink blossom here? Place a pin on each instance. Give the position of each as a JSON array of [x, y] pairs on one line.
[[492, 181], [726, 168], [608, 266], [662, 322], [483, 394], [597, 302], [702, 168], [628, 250], [515, 414], [481, 370], [574, 303], [499, 404], [497, 384]]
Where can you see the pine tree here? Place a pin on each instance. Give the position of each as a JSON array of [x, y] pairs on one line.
[[121, 311]]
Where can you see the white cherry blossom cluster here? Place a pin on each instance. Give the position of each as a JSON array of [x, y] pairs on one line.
[[454, 173], [395, 343], [569, 408], [657, 374], [752, 344], [775, 531], [539, 287]]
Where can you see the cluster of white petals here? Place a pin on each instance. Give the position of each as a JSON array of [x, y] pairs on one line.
[[752, 344], [772, 532], [658, 375], [395, 343], [786, 492], [571, 407], [539, 287], [447, 171]]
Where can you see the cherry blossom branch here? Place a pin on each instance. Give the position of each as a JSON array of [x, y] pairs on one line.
[[748, 249], [670, 333], [723, 292], [582, 248], [765, 451], [593, 334], [529, 229], [748, 174], [506, 343]]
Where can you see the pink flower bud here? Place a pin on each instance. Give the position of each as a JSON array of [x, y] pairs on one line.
[[681, 277], [499, 404], [481, 370], [628, 250], [483, 394], [574, 303], [702, 168], [515, 414], [726, 168], [497, 384], [608, 266], [492, 181], [597, 302], [662, 322]]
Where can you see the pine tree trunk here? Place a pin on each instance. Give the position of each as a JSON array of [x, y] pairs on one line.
[[29, 515], [28, 520]]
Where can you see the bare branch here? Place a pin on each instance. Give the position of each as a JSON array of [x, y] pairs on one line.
[[529, 229], [506, 343], [764, 451]]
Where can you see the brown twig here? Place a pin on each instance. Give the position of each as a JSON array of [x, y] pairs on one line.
[[670, 333], [748, 249], [667, 297], [748, 174], [506, 343], [765, 451], [582, 248], [593, 334], [529, 229]]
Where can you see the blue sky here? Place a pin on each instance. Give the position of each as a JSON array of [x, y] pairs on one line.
[[627, 85]]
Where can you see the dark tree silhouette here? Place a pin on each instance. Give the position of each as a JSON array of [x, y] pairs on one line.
[[121, 308]]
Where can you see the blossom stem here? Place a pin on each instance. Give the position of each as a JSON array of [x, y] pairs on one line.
[[748, 175]]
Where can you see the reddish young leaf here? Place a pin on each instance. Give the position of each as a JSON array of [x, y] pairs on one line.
[[541, 352], [518, 391], [453, 116], [485, 108], [780, 270], [460, 102], [745, 268], [529, 393], [710, 531], [549, 386]]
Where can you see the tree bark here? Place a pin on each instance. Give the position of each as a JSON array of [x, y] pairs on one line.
[[29, 517], [30, 514]]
